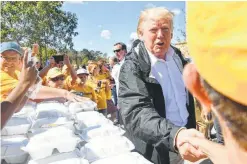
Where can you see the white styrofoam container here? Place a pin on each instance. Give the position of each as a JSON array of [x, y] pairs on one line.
[[126, 158], [73, 157], [43, 144], [11, 150], [102, 131], [99, 148], [51, 109], [89, 119], [53, 122], [27, 110], [76, 107], [17, 126]]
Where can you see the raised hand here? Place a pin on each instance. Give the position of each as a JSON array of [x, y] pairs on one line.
[[66, 60], [29, 73]]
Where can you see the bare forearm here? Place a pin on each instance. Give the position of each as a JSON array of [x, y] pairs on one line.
[[44, 71], [48, 92], [14, 102], [72, 73]]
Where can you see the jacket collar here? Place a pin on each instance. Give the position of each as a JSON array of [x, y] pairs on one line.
[[143, 60]]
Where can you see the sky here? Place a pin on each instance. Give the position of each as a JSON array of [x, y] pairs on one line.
[[101, 24]]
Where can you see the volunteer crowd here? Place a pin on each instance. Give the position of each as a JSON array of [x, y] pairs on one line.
[[151, 89]]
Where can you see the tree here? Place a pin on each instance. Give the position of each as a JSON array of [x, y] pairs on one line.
[[41, 22]]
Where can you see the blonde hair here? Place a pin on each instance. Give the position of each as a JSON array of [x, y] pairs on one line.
[[158, 13]]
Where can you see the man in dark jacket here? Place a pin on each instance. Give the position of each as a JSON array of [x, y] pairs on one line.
[[154, 104]]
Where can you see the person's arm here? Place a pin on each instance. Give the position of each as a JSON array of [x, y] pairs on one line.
[[13, 103], [17, 99], [70, 68], [138, 112], [44, 71], [216, 152], [142, 120], [48, 92]]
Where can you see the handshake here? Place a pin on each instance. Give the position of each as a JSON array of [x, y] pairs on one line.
[[193, 146], [188, 149]]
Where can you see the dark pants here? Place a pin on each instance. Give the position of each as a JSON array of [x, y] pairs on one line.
[[103, 111]]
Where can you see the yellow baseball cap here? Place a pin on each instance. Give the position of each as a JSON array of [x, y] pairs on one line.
[[217, 41], [54, 72]]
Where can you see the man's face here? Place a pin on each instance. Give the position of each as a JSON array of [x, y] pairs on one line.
[[156, 34], [10, 61], [56, 82], [119, 52], [83, 77]]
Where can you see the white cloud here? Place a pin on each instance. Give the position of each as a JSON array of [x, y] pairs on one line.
[[90, 42], [133, 35], [75, 2], [106, 34], [150, 5], [176, 11]]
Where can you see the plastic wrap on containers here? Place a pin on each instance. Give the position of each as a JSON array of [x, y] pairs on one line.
[[89, 119], [51, 109], [101, 131], [127, 158], [99, 148], [73, 157], [17, 126], [76, 107], [27, 110], [53, 122], [11, 149], [42, 145]]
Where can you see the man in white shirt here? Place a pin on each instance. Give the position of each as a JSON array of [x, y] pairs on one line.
[[120, 51], [154, 104]]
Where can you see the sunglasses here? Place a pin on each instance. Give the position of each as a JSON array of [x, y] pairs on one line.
[[117, 50], [55, 79]]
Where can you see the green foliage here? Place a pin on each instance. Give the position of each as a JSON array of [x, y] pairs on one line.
[[45, 23], [42, 22]]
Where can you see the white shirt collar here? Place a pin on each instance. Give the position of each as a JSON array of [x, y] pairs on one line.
[[168, 56]]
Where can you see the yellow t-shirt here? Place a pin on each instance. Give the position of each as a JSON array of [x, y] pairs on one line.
[[8, 83], [100, 93], [87, 90], [106, 76]]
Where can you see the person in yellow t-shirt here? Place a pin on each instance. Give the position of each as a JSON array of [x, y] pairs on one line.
[[105, 74], [55, 78], [81, 85], [10, 62], [99, 86], [218, 75]]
